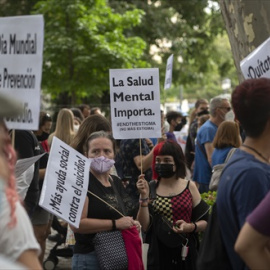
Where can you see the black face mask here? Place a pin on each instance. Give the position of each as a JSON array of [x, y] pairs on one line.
[[43, 137], [181, 124], [203, 113], [164, 170], [178, 127]]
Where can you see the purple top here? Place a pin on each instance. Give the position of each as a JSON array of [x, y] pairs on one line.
[[259, 219], [171, 136]]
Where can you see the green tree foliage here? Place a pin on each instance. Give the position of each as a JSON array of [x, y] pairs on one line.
[[191, 30], [83, 40], [16, 7]]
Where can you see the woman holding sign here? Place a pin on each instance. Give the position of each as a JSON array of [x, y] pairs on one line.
[[171, 211], [107, 208]]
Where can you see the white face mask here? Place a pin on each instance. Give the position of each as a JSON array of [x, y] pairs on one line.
[[76, 128], [101, 164], [229, 116]]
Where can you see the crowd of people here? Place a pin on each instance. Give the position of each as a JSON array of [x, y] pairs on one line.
[[148, 189]]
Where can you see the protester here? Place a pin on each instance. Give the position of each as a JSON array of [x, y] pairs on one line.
[[97, 216], [77, 123], [65, 132], [204, 147], [41, 219], [95, 110], [174, 120], [201, 119], [163, 134], [45, 125], [17, 240], [27, 146], [226, 138], [132, 157], [78, 118], [201, 106], [85, 109], [64, 127], [245, 180], [179, 202], [91, 124], [253, 242]]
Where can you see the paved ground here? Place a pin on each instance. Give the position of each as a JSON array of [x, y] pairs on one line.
[[63, 263]]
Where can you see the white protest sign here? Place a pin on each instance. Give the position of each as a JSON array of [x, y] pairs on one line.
[[257, 63], [23, 164], [181, 137], [21, 49], [135, 103], [168, 77], [66, 182]]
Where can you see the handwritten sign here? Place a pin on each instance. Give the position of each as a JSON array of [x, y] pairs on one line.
[[66, 182]]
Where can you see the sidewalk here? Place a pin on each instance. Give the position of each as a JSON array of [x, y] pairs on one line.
[[63, 263]]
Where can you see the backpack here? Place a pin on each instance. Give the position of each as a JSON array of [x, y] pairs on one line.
[[212, 253], [217, 171]]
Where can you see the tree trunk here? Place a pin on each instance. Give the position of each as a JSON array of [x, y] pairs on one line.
[[247, 24]]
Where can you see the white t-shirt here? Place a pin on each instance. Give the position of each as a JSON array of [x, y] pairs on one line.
[[14, 241], [8, 265]]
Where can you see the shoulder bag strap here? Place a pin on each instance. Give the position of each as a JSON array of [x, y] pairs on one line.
[[229, 155], [120, 201], [152, 188]]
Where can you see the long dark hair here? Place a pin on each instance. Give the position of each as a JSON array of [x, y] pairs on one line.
[[90, 124]]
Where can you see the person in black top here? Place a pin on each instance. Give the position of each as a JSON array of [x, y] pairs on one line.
[[41, 218], [201, 108], [27, 146], [171, 211], [98, 216]]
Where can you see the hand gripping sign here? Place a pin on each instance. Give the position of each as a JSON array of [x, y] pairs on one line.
[[66, 183]]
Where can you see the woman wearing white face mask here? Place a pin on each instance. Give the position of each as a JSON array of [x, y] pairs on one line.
[[98, 216]]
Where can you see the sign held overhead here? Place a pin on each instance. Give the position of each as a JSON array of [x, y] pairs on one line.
[[135, 103], [21, 50], [257, 63], [168, 77]]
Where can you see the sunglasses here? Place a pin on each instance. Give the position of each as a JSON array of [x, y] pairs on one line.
[[226, 108]]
